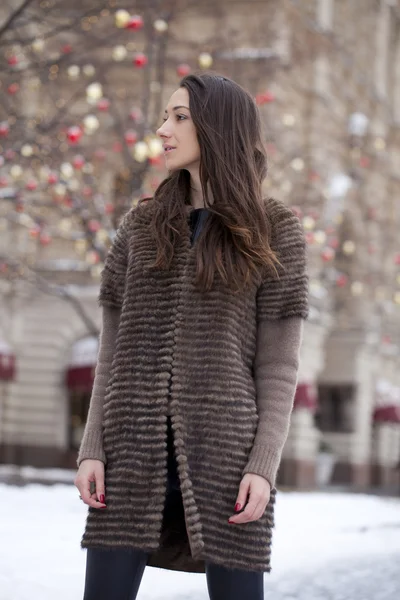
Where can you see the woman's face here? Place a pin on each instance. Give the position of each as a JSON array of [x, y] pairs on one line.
[[178, 133]]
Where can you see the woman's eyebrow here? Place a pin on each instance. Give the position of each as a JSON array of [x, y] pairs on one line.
[[176, 107]]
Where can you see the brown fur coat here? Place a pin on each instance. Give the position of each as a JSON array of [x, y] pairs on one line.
[[203, 345]]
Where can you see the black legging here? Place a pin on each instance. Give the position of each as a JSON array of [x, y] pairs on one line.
[[116, 574]]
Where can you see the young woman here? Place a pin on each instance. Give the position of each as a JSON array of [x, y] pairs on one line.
[[203, 296]]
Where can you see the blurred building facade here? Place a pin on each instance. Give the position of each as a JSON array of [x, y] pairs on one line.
[[329, 71]]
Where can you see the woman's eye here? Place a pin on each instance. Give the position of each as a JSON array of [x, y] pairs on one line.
[[180, 117]]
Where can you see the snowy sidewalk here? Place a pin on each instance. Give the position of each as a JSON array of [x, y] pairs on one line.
[[326, 546]]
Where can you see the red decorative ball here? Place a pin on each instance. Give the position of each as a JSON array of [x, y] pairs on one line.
[[34, 231], [87, 191], [328, 254], [4, 129], [9, 154], [66, 49], [109, 208], [3, 181], [103, 104], [130, 137], [12, 60], [78, 161], [156, 161], [100, 154], [341, 280], [52, 178], [365, 162], [135, 23], [74, 134], [93, 225], [31, 185], [140, 60], [135, 114], [264, 98], [13, 88], [45, 239], [183, 69]]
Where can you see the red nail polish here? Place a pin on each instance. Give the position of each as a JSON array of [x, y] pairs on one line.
[[102, 498], [102, 506], [237, 506], [232, 522]]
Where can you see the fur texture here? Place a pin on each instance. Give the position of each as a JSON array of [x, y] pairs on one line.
[[203, 346]]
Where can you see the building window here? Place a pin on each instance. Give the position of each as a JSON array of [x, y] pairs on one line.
[[335, 413]]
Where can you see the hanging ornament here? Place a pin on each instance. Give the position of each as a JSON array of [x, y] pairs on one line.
[[3, 181], [297, 164], [31, 185], [122, 18], [52, 178], [34, 231], [12, 60], [78, 161], [140, 60], [308, 223], [38, 45], [155, 147], [93, 225], [73, 185], [91, 124], [141, 151], [205, 60], [4, 129], [183, 69], [264, 98], [117, 147], [26, 150], [119, 53], [87, 191], [357, 288], [288, 120], [135, 23], [320, 237], [327, 254], [136, 115], [108, 208], [74, 134], [13, 89], [89, 70], [103, 104], [45, 239], [60, 190], [365, 162], [160, 25], [348, 247], [100, 154], [341, 280], [73, 72], [16, 171], [130, 137], [67, 170], [94, 92], [66, 49], [156, 161], [92, 257]]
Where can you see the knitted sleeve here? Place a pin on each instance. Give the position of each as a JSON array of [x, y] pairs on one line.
[[275, 374], [113, 276], [92, 441], [287, 294]]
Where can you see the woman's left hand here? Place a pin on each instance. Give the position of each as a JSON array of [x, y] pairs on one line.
[[258, 490]]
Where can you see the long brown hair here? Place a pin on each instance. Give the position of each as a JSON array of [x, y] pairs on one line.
[[235, 238]]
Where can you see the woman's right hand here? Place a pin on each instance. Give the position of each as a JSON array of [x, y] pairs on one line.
[[89, 472]]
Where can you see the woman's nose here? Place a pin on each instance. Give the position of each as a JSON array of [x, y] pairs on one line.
[[162, 132]]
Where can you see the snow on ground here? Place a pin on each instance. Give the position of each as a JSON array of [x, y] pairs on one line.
[[41, 527]]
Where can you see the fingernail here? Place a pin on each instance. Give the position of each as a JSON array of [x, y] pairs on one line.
[[232, 522], [237, 506], [102, 506], [102, 498]]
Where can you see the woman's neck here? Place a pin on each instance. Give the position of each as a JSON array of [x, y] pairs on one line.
[[196, 193]]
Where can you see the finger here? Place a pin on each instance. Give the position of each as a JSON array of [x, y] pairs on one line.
[[87, 497], [242, 495], [100, 488], [247, 514]]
